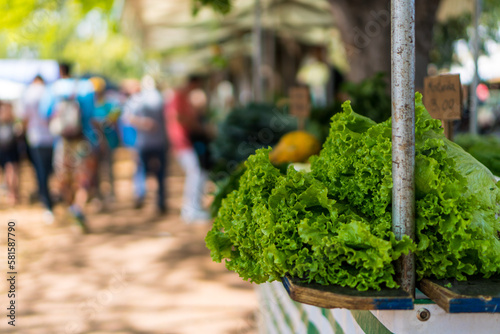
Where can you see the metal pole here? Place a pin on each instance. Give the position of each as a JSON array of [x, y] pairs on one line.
[[257, 53], [475, 80], [403, 131]]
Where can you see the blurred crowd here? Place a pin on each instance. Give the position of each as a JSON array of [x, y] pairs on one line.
[[70, 128]]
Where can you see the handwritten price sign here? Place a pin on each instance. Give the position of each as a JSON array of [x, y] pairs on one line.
[[299, 102], [443, 96]]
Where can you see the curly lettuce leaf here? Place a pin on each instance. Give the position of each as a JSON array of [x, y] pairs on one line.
[[456, 196], [333, 225], [296, 228]]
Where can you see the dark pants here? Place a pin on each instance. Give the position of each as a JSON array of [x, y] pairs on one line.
[[154, 161], [42, 161]]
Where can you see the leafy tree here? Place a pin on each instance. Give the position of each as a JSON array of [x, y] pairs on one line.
[[447, 33], [366, 32], [84, 32]]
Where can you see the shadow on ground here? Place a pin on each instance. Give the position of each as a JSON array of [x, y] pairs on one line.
[[137, 272]]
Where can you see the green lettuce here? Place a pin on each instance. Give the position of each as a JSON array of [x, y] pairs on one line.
[[277, 224], [485, 148], [333, 225], [456, 196]]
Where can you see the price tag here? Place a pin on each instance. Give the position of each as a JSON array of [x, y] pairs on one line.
[[443, 96], [299, 102]]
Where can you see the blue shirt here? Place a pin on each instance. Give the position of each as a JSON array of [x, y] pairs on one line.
[[101, 114], [63, 89]]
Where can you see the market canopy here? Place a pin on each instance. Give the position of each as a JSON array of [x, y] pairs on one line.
[[166, 25], [188, 41]]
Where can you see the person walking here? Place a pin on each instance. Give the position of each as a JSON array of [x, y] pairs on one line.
[[68, 105], [106, 116], [9, 151], [144, 112], [40, 142], [183, 124]]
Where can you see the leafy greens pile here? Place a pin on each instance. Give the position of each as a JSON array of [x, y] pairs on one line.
[[485, 148], [333, 225], [244, 130]]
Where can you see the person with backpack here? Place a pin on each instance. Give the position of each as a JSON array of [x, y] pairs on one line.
[[68, 105], [9, 153]]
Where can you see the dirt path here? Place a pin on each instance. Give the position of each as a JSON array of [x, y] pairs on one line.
[[135, 273]]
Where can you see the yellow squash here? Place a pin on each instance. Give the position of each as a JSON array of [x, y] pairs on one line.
[[295, 146]]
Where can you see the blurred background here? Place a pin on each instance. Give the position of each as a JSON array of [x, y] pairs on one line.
[[172, 97]]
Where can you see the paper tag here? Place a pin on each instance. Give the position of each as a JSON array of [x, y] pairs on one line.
[[443, 96]]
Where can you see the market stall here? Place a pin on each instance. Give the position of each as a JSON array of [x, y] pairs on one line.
[[343, 247], [433, 306]]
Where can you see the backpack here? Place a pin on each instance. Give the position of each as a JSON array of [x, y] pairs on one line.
[[67, 119], [7, 135]]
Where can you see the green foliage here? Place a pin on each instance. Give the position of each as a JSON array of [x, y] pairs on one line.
[[20, 13], [486, 149], [370, 97], [246, 129], [333, 225], [221, 6], [81, 32], [275, 224], [456, 196], [224, 187], [445, 34], [318, 123]]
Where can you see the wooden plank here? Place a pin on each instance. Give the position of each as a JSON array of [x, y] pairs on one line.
[[333, 296], [476, 295], [448, 129]]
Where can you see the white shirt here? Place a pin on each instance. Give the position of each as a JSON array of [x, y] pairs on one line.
[[37, 131]]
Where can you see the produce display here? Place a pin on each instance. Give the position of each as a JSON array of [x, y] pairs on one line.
[[224, 187], [333, 225], [259, 125], [486, 149], [293, 147], [370, 97], [245, 130]]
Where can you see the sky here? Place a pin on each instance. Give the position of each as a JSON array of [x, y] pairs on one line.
[[488, 65]]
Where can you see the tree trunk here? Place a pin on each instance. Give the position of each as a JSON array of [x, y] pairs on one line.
[[365, 27], [425, 12]]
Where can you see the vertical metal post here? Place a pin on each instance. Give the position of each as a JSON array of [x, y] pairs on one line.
[[475, 80], [403, 131], [257, 53]]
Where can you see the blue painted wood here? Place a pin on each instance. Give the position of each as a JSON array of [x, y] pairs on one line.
[[393, 303], [474, 305], [476, 295]]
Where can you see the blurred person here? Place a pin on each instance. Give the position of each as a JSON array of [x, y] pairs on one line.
[[40, 141], [69, 106], [9, 153], [127, 133], [202, 136], [106, 115], [144, 111], [183, 123]]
